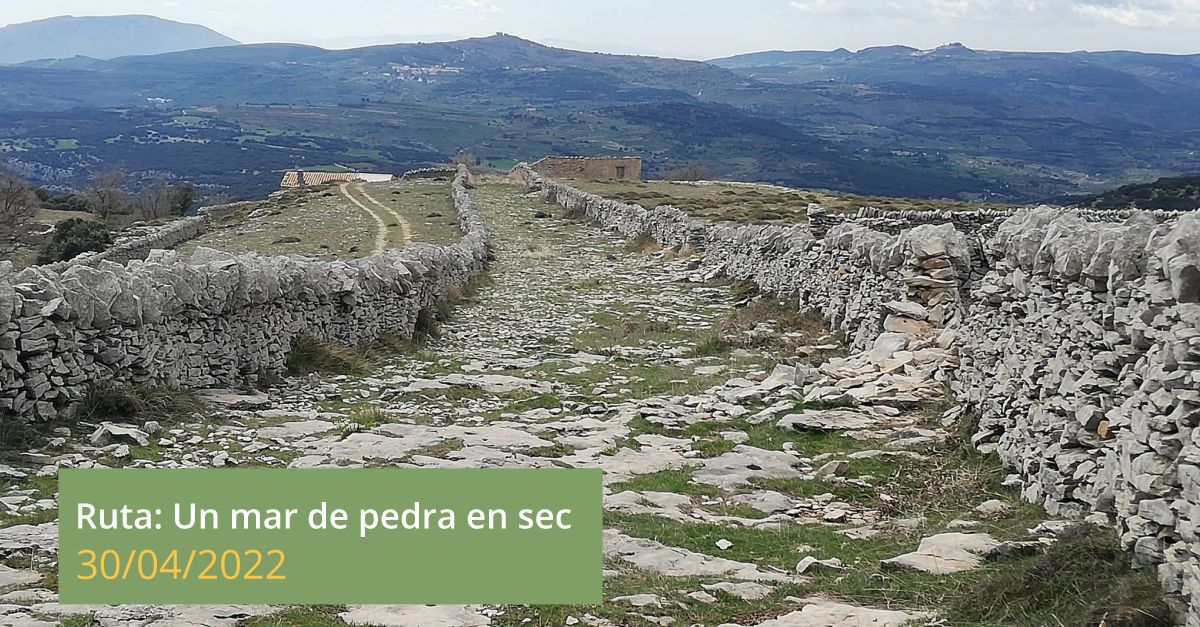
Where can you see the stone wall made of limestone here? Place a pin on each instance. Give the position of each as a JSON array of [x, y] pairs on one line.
[[213, 320], [848, 276], [980, 223], [1079, 342], [1081, 356], [137, 243]]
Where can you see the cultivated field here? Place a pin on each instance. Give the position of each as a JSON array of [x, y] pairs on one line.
[[338, 221], [745, 202]]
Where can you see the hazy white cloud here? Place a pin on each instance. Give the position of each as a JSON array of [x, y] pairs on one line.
[[472, 6], [1141, 13], [1135, 13]]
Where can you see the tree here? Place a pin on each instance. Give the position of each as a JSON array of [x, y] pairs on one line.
[[18, 203], [691, 171], [216, 200], [181, 198], [68, 201], [107, 194], [153, 200], [72, 237]]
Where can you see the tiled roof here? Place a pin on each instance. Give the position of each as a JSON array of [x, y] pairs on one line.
[[300, 179], [297, 178]]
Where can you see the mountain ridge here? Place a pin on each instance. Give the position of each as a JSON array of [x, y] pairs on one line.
[[951, 122], [102, 37]]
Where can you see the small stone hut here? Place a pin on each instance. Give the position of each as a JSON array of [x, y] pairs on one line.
[[596, 168]]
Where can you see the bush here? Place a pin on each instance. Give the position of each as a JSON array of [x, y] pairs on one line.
[[72, 238], [689, 172]]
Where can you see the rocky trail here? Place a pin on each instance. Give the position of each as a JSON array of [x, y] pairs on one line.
[[755, 473]]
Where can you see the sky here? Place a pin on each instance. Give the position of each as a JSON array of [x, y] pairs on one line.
[[692, 29]]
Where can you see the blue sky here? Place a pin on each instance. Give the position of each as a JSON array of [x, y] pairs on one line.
[[697, 29]]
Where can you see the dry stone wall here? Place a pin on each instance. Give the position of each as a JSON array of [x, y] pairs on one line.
[[138, 243], [980, 223], [215, 319], [1082, 358], [1079, 343], [849, 275]]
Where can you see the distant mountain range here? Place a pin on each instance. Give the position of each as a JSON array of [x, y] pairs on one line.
[[105, 37], [949, 122]]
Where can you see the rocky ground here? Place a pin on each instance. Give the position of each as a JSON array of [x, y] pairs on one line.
[[744, 485]]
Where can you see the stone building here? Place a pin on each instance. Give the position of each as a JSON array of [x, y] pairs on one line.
[[301, 178], [599, 168]]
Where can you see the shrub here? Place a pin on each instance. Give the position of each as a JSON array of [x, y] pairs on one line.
[[690, 172], [72, 238]]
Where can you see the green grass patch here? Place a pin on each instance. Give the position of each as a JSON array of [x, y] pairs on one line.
[[678, 481], [556, 450], [300, 616], [1085, 579], [34, 518]]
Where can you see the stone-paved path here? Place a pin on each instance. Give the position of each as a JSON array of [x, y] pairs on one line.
[[728, 500]]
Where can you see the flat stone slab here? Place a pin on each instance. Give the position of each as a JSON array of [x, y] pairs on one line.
[[831, 614], [627, 463], [745, 590], [497, 383], [11, 578], [233, 399], [159, 615], [677, 562], [359, 447], [766, 501], [743, 463], [110, 431], [295, 429], [415, 616], [43, 538], [945, 553], [827, 420]]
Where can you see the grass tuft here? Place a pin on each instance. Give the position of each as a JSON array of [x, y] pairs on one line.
[[644, 243], [111, 401], [366, 415], [1084, 579], [301, 616], [311, 355]]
